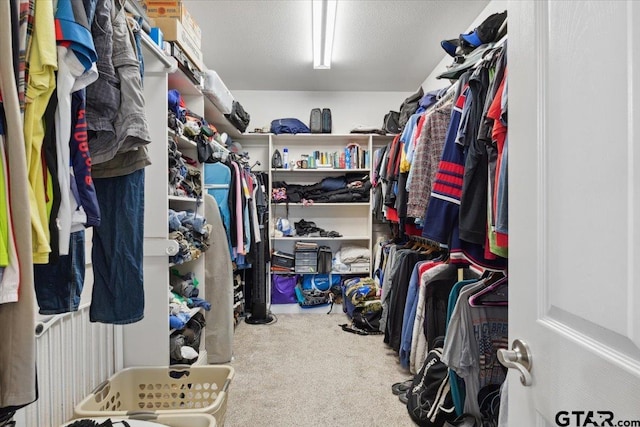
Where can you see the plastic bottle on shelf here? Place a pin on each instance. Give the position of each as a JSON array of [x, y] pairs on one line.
[[285, 158]]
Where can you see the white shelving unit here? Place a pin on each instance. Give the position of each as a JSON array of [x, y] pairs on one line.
[[352, 220], [146, 343]]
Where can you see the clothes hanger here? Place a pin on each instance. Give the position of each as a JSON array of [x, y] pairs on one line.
[[496, 294], [427, 249]]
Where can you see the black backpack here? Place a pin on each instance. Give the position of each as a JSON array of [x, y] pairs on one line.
[[429, 399], [409, 106], [391, 122], [326, 120], [238, 117]]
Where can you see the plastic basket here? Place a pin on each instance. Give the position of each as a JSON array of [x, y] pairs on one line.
[[182, 420], [176, 389]]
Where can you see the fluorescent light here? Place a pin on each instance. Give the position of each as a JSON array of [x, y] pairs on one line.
[[324, 24]]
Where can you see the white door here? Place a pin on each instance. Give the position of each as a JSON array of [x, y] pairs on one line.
[[574, 171]]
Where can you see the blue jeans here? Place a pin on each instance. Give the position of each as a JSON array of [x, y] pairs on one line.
[[410, 309], [117, 254], [59, 284]]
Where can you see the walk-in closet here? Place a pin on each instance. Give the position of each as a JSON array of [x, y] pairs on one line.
[[319, 213]]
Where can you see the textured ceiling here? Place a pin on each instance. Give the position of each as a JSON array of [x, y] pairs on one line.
[[379, 45]]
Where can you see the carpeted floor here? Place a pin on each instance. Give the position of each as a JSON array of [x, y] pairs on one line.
[[304, 370]]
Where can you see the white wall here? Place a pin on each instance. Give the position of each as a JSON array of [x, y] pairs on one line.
[[431, 82], [348, 109]]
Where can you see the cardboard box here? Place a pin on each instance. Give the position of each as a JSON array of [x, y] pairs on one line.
[[174, 9], [174, 31]]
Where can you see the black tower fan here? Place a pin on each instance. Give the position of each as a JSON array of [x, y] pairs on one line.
[[259, 305]]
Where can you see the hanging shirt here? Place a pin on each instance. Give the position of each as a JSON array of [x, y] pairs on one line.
[[441, 223], [498, 136], [217, 182], [43, 63], [473, 201], [76, 62], [238, 208], [411, 147], [26, 18], [502, 218], [414, 350], [406, 139], [427, 157]]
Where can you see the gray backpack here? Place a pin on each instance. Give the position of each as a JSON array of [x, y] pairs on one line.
[[315, 121]]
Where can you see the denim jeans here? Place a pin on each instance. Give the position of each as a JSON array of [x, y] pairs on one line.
[[117, 254], [59, 284], [410, 308]]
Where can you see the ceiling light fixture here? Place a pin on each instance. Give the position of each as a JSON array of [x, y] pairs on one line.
[[324, 24]]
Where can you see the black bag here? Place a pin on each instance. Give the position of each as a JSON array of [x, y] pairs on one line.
[[367, 320], [315, 121], [409, 106], [238, 117], [391, 122], [276, 160], [429, 399], [326, 120], [325, 258], [205, 149]]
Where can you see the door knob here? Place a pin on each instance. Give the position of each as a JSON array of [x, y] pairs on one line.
[[519, 357]]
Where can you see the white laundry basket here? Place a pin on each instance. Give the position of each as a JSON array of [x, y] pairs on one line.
[[172, 390]]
